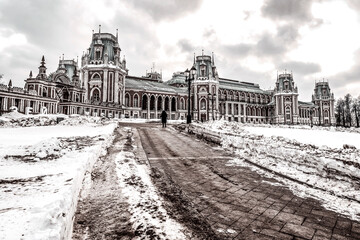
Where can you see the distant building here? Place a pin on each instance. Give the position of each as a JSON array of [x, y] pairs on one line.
[[103, 87]]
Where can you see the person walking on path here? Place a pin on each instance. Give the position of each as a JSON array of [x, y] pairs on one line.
[[163, 118]]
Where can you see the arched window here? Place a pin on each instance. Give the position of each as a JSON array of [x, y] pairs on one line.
[[44, 93], [96, 76], [326, 113], [95, 95], [167, 104], [127, 100], [136, 100], [173, 104], [97, 54], [202, 104], [144, 102], [182, 104], [152, 102], [287, 113], [159, 104]]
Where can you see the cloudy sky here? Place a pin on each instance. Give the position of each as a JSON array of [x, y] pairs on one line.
[[252, 40]]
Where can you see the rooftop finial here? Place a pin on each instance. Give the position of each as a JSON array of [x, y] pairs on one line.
[[99, 28], [203, 52], [30, 75], [92, 33], [213, 58], [117, 34], [62, 56], [194, 58]]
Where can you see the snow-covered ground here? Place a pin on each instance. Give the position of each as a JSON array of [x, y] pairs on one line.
[[145, 203], [41, 172], [311, 162], [333, 139]]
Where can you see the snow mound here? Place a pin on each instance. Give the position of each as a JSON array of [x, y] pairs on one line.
[[74, 120], [16, 119]]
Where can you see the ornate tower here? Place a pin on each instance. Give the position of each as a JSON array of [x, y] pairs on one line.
[[42, 69], [102, 72], [286, 100], [205, 88], [324, 98]]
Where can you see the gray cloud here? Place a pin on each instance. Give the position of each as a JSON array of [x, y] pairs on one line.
[[340, 81], [268, 45], [354, 4], [301, 68], [185, 45], [166, 10], [50, 29], [289, 10], [238, 50]]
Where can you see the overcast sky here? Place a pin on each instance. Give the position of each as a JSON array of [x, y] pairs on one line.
[[252, 40]]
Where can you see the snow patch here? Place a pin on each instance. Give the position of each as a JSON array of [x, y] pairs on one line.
[[144, 201]]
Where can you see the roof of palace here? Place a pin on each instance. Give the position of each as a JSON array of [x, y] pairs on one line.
[[145, 84], [231, 84], [307, 103]]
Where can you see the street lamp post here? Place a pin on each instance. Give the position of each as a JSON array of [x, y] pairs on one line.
[[189, 76]]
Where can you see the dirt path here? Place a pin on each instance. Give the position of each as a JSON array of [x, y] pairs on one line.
[[231, 202], [103, 211]]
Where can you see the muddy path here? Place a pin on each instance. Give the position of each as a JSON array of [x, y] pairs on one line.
[[231, 202], [102, 211]]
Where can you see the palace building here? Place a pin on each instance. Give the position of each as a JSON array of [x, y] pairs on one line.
[[102, 86]]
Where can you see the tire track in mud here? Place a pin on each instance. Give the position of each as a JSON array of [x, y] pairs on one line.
[[178, 204], [103, 212]]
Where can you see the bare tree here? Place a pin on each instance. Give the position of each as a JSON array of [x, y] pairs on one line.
[[339, 112], [347, 109], [355, 108]]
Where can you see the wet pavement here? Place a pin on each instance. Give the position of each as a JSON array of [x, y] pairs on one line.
[[237, 202]]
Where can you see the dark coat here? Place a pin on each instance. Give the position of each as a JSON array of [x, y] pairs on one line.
[[163, 116]]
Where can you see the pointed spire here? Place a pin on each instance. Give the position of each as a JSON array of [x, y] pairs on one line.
[[213, 58], [62, 56], [194, 59], [93, 33], [117, 34], [202, 52], [30, 75], [99, 28], [10, 84], [42, 61]]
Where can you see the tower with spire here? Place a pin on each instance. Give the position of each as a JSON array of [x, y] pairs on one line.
[[324, 99], [286, 99], [205, 88], [103, 71], [42, 69]]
